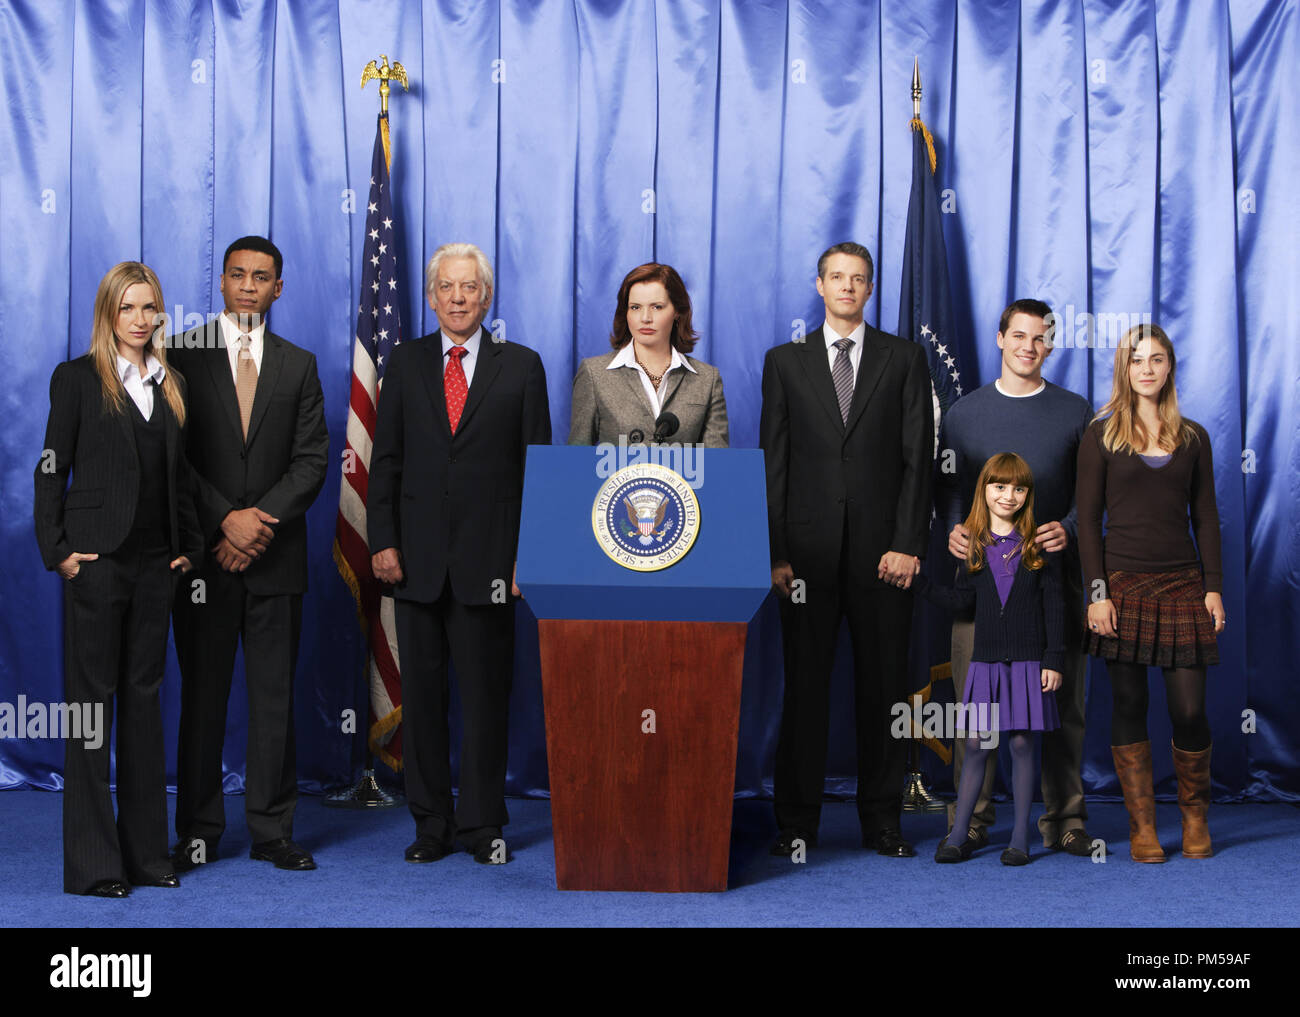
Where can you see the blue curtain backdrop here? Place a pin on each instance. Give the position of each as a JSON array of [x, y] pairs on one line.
[[1114, 157]]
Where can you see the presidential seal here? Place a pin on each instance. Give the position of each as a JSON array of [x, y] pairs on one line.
[[645, 517]]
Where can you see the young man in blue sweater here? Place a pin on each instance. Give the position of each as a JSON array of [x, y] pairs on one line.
[[1021, 412]]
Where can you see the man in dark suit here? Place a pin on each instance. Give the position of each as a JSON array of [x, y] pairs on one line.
[[258, 446], [848, 432], [457, 411]]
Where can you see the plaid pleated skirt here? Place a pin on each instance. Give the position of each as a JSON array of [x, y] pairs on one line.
[[1162, 621]]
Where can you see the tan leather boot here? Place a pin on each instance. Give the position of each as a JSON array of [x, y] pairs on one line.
[[1133, 767], [1193, 770]]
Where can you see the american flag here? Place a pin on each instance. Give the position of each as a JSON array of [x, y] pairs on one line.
[[379, 329]]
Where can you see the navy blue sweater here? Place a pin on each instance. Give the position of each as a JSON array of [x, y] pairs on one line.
[[1043, 429], [1031, 626]]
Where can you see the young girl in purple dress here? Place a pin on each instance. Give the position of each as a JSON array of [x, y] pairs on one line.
[[1015, 590]]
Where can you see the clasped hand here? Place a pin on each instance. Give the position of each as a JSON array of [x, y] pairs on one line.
[[246, 533]]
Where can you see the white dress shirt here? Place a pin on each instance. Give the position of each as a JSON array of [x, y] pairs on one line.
[[626, 357], [855, 351], [230, 332], [468, 360], [140, 393]]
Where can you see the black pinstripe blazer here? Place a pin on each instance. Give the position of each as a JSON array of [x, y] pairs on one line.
[[84, 438]]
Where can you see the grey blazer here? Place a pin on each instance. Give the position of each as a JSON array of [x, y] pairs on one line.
[[609, 404]]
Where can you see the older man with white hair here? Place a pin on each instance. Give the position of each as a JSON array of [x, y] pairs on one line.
[[457, 411]]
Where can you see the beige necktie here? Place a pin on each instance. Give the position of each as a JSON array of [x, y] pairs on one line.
[[245, 382]]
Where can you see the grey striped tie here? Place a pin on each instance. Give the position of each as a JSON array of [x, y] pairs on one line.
[[842, 376]]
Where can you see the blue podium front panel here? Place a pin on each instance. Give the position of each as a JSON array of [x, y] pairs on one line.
[[564, 572]]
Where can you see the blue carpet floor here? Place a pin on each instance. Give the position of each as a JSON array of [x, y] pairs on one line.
[[362, 879]]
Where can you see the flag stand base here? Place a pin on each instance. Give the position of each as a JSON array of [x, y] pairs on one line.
[[364, 794], [917, 799]]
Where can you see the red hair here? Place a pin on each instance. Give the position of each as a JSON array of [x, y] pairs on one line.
[[684, 337]]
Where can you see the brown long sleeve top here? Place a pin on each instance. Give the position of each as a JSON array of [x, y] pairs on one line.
[[1147, 511]]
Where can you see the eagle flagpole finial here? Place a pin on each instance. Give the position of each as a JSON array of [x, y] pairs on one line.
[[383, 73]]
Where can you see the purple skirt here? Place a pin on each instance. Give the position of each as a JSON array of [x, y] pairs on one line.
[[1017, 691]]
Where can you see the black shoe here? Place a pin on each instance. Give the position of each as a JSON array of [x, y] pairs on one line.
[[980, 836], [170, 881], [485, 850], [191, 852], [889, 842], [108, 888], [284, 853], [1014, 856], [947, 853], [426, 849], [1075, 842], [785, 844]]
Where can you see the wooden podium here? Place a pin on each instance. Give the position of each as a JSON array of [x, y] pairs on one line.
[[641, 674]]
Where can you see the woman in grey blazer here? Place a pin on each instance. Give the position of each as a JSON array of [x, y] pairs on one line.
[[621, 395]]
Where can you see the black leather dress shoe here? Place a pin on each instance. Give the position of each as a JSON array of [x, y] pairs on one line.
[[890, 843], [490, 850], [170, 881], [488, 847], [426, 849], [108, 888], [948, 853], [784, 846], [192, 852], [284, 853], [980, 835], [1014, 856]]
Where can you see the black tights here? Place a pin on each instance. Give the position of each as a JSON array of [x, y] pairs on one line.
[[1185, 692]]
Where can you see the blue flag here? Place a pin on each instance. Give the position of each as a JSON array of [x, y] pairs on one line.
[[925, 316], [925, 297]]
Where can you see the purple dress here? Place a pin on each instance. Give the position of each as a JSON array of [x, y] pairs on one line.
[[1016, 688]]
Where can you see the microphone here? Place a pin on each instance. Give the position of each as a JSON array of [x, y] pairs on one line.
[[666, 426]]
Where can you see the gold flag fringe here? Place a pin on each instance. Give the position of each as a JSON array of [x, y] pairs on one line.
[[918, 125]]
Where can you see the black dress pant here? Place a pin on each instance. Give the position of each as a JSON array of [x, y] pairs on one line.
[[116, 613], [879, 619], [207, 634], [480, 639]]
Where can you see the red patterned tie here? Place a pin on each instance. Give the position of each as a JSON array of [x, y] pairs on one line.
[[453, 383]]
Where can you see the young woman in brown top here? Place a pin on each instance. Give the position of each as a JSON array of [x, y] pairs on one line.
[[1155, 596]]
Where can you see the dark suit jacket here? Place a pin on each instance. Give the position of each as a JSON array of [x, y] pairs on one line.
[[609, 404], [281, 467], [451, 505], [1030, 626], [873, 472], [97, 446]]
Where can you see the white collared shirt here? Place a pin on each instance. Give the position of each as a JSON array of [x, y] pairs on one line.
[[626, 357], [230, 332], [140, 393], [855, 351], [469, 359]]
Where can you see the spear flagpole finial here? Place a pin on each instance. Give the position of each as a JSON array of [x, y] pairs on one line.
[[916, 88]]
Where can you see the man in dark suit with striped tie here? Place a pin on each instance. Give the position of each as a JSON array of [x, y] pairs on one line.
[[258, 446], [847, 428], [457, 412]]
